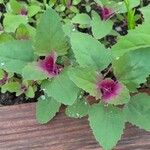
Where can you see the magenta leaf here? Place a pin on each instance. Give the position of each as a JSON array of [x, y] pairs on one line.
[[113, 92], [4, 79], [106, 13], [23, 12], [49, 66]]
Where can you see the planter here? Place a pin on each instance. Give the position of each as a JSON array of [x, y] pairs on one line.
[[20, 131]]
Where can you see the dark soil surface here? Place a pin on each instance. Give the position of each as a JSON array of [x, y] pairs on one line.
[[11, 99]]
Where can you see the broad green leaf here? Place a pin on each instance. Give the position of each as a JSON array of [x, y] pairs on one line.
[[50, 35], [107, 123], [90, 53], [137, 38], [11, 87], [138, 111], [100, 28], [33, 72], [146, 12], [61, 88], [78, 110], [14, 55], [82, 19], [33, 10], [84, 78], [133, 67], [12, 22], [46, 108]]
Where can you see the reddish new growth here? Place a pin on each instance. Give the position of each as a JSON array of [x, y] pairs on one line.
[[23, 12], [109, 89], [49, 66], [106, 13], [4, 79]]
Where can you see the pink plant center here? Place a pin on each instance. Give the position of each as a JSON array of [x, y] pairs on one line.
[[23, 12], [109, 89], [49, 66], [106, 13]]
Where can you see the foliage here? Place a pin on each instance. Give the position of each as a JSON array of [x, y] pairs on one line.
[[65, 51]]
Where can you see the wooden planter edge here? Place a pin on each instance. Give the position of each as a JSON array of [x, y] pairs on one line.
[[19, 130]]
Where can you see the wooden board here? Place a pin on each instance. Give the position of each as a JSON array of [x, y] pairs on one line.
[[20, 131]]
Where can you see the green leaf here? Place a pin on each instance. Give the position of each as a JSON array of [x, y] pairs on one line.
[[15, 6], [78, 110], [84, 78], [135, 39], [50, 35], [15, 55], [107, 123], [100, 28], [90, 53], [33, 10], [137, 111], [82, 19], [30, 92], [62, 89], [22, 33], [76, 2], [121, 7], [146, 12], [1, 1], [16, 19], [4, 37], [11, 87], [46, 108], [33, 72], [133, 67]]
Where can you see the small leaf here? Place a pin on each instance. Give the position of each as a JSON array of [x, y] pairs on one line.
[[78, 110], [11, 87], [16, 19], [30, 92], [15, 6], [50, 36], [33, 10], [100, 28], [22, 33], [46, 109], [90, 53], [82, 19], [107, 124], [137, 111], [61, 88]]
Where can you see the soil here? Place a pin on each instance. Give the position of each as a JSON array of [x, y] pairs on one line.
[[10, 98]]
